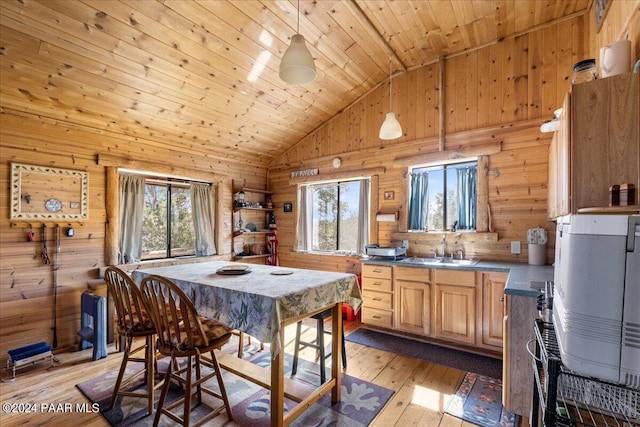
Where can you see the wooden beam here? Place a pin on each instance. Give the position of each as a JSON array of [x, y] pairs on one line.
[[482, 195], [158, 168], [439, 156], [112, 206], [337, 175], [441, 105], [364, 18]]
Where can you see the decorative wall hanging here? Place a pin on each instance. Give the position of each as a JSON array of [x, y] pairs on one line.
[[46, 193]]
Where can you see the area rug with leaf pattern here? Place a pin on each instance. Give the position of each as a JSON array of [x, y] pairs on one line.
[[479, 401], [360, 403]]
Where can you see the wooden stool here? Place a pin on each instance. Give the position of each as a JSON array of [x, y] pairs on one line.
[[318, 344]]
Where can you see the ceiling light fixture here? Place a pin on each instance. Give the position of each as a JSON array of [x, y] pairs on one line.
[[297, 65], [390, 128]]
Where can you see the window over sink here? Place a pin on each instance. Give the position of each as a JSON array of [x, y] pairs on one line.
[[443, 196]]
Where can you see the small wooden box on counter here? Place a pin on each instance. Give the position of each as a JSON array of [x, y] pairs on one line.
[[627, 194]]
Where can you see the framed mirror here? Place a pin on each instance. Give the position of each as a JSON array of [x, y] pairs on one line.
[[46, 193]]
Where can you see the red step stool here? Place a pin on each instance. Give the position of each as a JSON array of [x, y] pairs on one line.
[[347, 312]]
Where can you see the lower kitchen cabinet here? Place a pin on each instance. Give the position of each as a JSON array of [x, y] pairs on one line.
[[455, 313], [493, 309], [377, 295], [413, 300], [459, 306]]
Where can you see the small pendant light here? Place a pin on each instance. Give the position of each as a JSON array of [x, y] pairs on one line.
[[297, 65], [390, 128]]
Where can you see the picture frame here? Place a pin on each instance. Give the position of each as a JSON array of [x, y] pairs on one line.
[[47, 193], [601, 9], [287, 207]]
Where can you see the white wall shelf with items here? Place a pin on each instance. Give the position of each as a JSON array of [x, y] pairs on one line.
[[254, 228]]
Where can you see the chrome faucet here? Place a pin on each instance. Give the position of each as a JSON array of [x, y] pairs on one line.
[[444, 246], [461, 253]]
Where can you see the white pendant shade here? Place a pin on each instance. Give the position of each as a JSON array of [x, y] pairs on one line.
[[390, 128], [297, 65]]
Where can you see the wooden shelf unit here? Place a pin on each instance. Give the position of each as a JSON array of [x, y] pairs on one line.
[[244, 241]]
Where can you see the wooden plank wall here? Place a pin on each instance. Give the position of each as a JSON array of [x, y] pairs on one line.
[[516, 83], [26, 290]]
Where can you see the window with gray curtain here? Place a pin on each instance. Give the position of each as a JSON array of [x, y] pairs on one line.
[[443, 197], [333, 217], [165, 218]]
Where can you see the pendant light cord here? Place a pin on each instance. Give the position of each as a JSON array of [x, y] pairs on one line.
[[390, 109], [298, 21]]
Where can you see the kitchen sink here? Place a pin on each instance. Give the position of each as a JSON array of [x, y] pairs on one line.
[[460, 262], [439, 261], [421, 261]]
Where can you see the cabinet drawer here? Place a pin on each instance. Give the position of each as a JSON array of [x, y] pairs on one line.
[[372, 316], [416, 274], [381, 271], [377, 299], [376, 284], [455, 277]]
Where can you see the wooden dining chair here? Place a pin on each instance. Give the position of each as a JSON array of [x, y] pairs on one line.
[[318, 344], [182, 333], [132, 321]]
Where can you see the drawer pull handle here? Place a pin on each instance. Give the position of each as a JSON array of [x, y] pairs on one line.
[[377, 284], [376, 317], [377, 271], [377, 299]]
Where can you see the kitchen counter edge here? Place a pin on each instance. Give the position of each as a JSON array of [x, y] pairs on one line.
[[519, 282]]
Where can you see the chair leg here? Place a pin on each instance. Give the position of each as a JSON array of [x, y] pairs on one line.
[[296, 350], [223, 390], [187, 396], [123, 366], [321, 350], [165, 390], [150, 356]]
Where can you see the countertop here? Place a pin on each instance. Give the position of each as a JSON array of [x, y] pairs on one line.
[[519, 282]]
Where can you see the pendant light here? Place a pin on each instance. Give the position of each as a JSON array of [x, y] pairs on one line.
[[297, 65], [390, 128]]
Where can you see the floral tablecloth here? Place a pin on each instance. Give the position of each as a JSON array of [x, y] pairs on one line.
[[257, 302]]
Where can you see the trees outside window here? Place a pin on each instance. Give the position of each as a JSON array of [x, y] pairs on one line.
[[334, 216], [443, 197], [167, 225]]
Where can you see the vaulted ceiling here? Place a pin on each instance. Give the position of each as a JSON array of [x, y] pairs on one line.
[[204, 74]]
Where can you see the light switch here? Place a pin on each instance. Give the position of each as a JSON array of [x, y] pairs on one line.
[[405, 244], [515, 247]]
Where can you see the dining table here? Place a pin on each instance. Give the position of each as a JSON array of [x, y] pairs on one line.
[[261, 300]]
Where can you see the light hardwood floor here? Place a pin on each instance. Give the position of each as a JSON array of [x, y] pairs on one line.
[[421, 388]]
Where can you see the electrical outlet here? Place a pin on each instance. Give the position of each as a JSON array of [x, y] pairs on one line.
[[515, 247], [405, 244]]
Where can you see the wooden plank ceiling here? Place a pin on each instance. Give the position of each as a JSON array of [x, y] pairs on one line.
[[204, 74]]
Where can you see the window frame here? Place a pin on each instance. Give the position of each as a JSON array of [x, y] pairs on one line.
[[479, 160], [337, 181]]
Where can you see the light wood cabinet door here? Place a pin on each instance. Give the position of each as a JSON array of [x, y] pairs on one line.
[[493, 284], [413, 309], [455, 313], [597, 144]]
